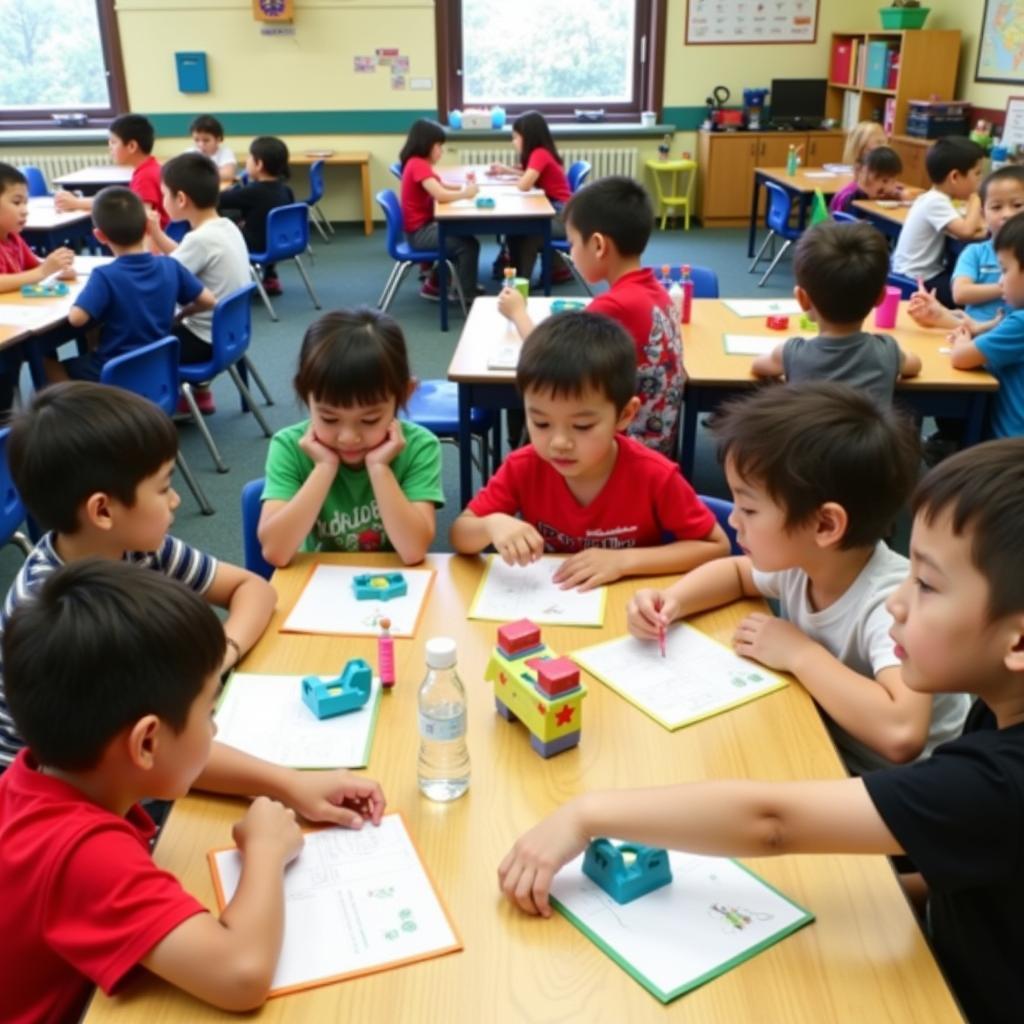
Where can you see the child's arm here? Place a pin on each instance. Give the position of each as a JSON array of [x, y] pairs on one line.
[[56, 261], [967, 292], [516, 541], [964, 353], [64, 201], [163, 242], [77, 316], [511, 304], [971, 225], [926, 310], [769, 365], [449, 193], [250, 601], [204, 300], [227, 170], [910, 364], [741, 819]]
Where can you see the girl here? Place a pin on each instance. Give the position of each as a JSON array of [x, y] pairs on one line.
[[541, 167], [874, 177], [861, 140], [352, 477], [421, 185]]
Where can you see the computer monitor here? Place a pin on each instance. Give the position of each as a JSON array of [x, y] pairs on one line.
[[799, 102]]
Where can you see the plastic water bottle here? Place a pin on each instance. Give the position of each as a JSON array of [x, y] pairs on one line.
[[676, 297], [686, 309], [791, 161], [443, 763]]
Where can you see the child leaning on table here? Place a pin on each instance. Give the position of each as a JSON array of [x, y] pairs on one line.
[[957, 626], [875, 176], [352, 477]]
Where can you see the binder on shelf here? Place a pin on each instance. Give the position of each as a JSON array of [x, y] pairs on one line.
[[892, 78], [840, 70], [874, 72], [889, 119]]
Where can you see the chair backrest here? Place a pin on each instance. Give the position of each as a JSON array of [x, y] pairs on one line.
[[36, 180], [388, 202], [845, 218], [906, 285], [12, 512], [177, 230], [150, 371], [705, 283], [287, 232], [252, 550], [316, 182], [578, 173], [721, 510], [232, 328], [396, 169], [780, 204]]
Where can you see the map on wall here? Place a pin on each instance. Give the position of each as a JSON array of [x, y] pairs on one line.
[[752, 21], [1001, 53]]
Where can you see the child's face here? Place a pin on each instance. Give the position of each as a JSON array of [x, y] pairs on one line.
[[963, 186], [436, 151], [121, 152], [1004, 198], [206, 143], [144, 525], [351, 431], [876, 184], [517, 142], [182, 756], [586, 255], [172, 205], [1012, 281], [13, 209]]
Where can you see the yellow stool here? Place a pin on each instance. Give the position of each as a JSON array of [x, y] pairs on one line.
[[669, 201]]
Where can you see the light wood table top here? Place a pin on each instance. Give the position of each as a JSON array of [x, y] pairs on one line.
[[102, 174], [44, 216], [507, 205], [885, 209], [347, 159], [807, 179], [459, 173], [864, 959]]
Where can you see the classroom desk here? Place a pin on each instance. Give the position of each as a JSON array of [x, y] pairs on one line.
[[459, 173], [888, 219], [712, 375], [801, 185], [48, 229], [89, 180], [357, 158], [863, 959]]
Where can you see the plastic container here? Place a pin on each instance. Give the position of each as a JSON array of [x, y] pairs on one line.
[[904, 17], [791, 161], [687, 287], [888, 309], [677, 297], [442, 767], [386, 654]]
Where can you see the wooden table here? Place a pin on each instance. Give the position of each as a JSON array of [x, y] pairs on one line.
[[888, 219], [357, 158], [48, 228], [712, 375], [88, 180], [864, 959]]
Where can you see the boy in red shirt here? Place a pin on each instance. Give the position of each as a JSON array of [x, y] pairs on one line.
[[608, 224], [581, 486]]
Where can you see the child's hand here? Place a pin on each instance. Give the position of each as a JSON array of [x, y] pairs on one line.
[[590, 568], [152, 221], [925, 309], [511, 303], [470, 189], [649, 612], [58, 261], [961, 336], [268, 823], [771, 641], [517, 542], [388, 450], [317, 450], [338, 797]]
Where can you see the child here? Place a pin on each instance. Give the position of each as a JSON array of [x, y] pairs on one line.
[[608, 224], [208, 138], [874, 176], [131, 145], [818, 473], [958, 618], [352, 477], [865, 137], [214, 250], [581, 486], [134, 298], [267, 167], [540, 167], [840, 274], [421, 186], [954, 167]]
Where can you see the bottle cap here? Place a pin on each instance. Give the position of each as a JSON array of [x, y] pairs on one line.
[[441, 652]]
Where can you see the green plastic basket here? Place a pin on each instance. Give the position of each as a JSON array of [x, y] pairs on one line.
[[904, 17]]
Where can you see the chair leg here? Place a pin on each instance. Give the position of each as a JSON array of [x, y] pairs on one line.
[[760, 252], [457, 285], [315, 221], [197, 416], [247, 398], [567, 260], [251, 370], [323, 218], [308, 283], [385, 296], [263, 293], [774, 263], [193, 485]]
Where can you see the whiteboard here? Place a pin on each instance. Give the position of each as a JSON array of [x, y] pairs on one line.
[[751, 21], [1013, 127]]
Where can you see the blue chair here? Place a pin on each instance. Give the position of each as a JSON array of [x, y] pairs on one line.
[[152, 372], [780, 209], [232, 331], [287, 239], [396, 169], [721, 510], [577, 176], [845, 218], [177, 230], [12, 511], [252, 550], [906, 285], [317, 217], [404, 255], [36, 181], [435, 405]]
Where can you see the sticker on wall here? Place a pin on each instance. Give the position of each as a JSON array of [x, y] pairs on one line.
[[421, 84], [364, 65], [273, 10], [397, 81], [400, 65]]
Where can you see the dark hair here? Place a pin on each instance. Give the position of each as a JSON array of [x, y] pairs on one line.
[[982, 488], [882, 161], [206, 124], [951, 153], [617, 207], [1010, 172], [103, 644], [134, 128], [1010, 238], [535, 134], [120, 214], [816, 441], [10, 176], [423, 136], [77, 439], [353, 357], [843, 268], [272, 153], [195, 175], [570, 352]]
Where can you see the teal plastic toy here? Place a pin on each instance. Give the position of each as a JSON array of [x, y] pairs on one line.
[[568, 305], [626, 871], [485, 202], [51, 290], [349, 692], [379, 586]]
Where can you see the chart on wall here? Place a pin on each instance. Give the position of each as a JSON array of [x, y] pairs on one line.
[[751, 21], [1001, 53]]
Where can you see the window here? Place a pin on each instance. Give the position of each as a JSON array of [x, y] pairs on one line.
[[553, 57], [59, 56]]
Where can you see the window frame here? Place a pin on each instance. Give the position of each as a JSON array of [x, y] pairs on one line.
[[648, 68], [13, 118]]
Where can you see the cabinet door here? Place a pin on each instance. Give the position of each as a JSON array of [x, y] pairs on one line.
[[730, 176], [824, 149], [912, 155], [772, 150]]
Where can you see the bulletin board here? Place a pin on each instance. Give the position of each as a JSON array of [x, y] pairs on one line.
[[1013, 126], [717, 22]]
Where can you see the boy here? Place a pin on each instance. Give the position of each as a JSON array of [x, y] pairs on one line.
[[208, 138], [267, 167], [131, 145], [214, 250], [581, 486], [134, 298], [954, 168], [958, 623], [608, 224], [876, 175], [113, 453], [818, 473], [840, 272]]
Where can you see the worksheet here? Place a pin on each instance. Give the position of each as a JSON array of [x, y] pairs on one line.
[[698, 677], [712, 916], [763, 307], [328, 603], [27, 317], [505, 356], [265, 716], [752, 344], [355, 903], [510, 592]]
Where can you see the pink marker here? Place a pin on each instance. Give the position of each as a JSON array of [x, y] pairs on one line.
[[386, 654], [662, 641]]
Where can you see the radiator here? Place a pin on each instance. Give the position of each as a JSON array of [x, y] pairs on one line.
[[602, 161], [53, 165]]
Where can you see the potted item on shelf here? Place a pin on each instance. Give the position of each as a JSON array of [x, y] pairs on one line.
[[904, 14]]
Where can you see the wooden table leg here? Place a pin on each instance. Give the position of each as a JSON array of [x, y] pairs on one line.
[[364, 174]]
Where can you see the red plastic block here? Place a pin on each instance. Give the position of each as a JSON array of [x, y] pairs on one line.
[[556, 675], [778, 323], [518, 636]]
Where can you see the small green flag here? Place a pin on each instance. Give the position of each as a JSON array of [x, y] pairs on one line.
[[819, 211]]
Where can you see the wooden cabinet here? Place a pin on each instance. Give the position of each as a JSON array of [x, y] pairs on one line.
[[912, 152], [825, 149]]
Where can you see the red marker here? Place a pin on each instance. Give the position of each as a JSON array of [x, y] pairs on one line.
[[386, 654], [662, 641]]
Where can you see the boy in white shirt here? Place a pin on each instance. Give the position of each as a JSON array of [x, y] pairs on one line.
[[208, 138]]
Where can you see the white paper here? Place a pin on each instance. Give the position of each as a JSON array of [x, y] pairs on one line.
[[819, 174], [763, 307], [838, 168], [511, 592], [265, 716], [752, 344], [28, 317], [328, 603], [85, 265], [505, 357], [710, 913], [354, 902], [697, 678]]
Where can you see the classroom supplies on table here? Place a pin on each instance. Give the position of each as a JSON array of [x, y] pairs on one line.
[[699, 678], [350, 691], [355, 903], [328, 603], [504, 357], [27, 317], [386, 655], [264, 715], [711, 916], [762, 307], [379, 586], [45, 290], [510, 592], [749, 344], [442, 762], [626, 871]]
